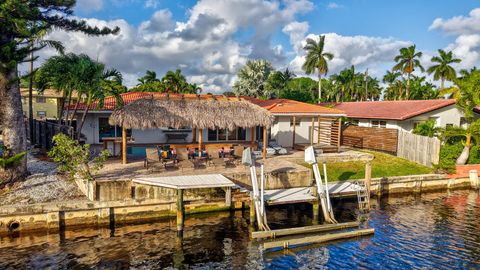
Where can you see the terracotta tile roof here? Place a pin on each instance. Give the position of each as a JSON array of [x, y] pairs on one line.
[[275, 106], [110, 103], [391, 110], [287, 106]]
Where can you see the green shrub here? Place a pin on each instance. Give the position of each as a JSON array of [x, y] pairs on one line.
[[448, 155], [73, 158], [474, 157], [7, 160]]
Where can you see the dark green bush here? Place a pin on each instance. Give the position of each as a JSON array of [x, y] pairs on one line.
[[448, 155], [474, 157]]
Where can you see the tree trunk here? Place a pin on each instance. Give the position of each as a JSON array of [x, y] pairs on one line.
[[407, 92], [442, 83], [84, 116], [69, 101], [74, 112], [30, 97], [62, 106], [319, 88], [463, 158], [11, 118]]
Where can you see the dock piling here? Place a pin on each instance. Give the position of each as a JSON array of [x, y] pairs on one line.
[[180, 210], [316, 212]]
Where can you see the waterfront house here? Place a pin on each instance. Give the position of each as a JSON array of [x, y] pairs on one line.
[[290, 117], [402, 114], [46, 103]]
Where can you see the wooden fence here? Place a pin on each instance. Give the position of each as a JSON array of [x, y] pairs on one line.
[[378, 139], [43, 133], [420, 149]]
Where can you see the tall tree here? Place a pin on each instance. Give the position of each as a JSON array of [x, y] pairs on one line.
[[316, 59], [443, 70], [149, 77], [98, 87], [469, 99], [21, 21], [252, 79], [407, 61]]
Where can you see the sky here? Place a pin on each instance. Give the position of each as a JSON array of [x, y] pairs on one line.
[[210, 40]]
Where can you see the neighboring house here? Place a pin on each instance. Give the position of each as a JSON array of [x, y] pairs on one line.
[[97, 127], [46, 104], [402, 114]]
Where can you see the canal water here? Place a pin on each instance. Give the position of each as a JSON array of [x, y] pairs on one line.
[[425, 231]]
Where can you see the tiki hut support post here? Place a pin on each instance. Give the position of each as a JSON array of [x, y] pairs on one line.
[[312, 130], [293, 136], [124, 145], [339, 134], [253, 136], [194, 135], [180, 210], [318, 142], [200, 138], [265, 143]]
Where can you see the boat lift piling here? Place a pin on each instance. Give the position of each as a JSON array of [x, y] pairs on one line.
[[295, 195]]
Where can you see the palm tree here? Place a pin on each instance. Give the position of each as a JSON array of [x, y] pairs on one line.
[[443, 70], [253, 79], [174, 81], [407, 61], [316, 59], [95, 86], [149, 77], [61, 73], [469, 99]]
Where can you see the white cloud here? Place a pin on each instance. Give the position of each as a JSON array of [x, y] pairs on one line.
[[466, 29], [152, 4], [204, 46], [89, 5], [459, 24], [333, 5], [361, 51]]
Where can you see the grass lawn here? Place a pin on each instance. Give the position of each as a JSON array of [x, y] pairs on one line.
[[382, 166]]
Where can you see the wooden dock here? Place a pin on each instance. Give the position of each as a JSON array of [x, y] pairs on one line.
[[306, 194]]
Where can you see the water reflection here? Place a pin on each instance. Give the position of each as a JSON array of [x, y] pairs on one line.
[[429, 231]]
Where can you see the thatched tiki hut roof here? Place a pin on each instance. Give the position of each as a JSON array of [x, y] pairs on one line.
[[194, 111]]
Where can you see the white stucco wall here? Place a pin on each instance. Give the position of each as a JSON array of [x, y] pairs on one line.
[[444, 116], [282, 132]]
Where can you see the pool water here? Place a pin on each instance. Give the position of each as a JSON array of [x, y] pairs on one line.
[[425, 231]]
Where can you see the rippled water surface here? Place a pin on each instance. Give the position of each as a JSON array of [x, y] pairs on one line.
[[428, 231]]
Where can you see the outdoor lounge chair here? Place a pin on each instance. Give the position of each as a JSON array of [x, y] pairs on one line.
[[214, 157], [151, 158], [183, 160], [238, 152]]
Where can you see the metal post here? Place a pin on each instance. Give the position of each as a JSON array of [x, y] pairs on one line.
[[262, 185]]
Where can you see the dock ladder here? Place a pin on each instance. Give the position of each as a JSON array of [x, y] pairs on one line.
[[363, 196]]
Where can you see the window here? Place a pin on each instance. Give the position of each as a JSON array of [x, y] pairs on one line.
[[297, 122], [241, 134], [379, 123], [212, 135], [106, 130], [238, 134], [40, 100], [222, 135], [41, 114]]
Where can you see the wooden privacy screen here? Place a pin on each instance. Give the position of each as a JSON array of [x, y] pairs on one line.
[[380, 139]]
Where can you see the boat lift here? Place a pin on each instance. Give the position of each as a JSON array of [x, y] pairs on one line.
[[264, 230]]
